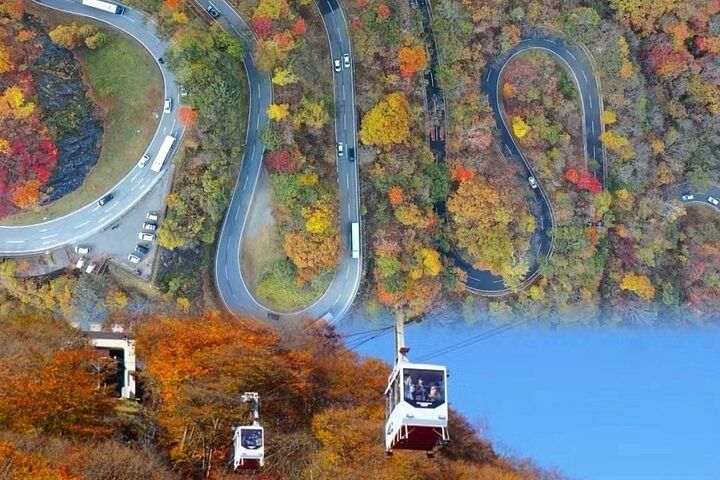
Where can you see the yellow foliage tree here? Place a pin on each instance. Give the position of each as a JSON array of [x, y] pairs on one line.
[[520, 128], [388, 122], [12, 102], [608, 117], [284, 76], [278, 111], [618, 144], [6, 65], [640, 285], [431, 263], [318, 220], [4, 146]]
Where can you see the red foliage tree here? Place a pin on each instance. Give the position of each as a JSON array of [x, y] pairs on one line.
[[280, 161], [583, 180], [299, 27], [262, 26]]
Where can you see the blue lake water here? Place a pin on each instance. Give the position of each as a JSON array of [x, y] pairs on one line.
[[597, 404]]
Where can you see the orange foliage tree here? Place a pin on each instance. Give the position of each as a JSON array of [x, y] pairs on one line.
[[187, 115], [58, 394], [412, 60]]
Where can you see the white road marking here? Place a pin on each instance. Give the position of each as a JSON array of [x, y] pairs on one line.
[[570, 53], [347, 181], [347, 274], [43, 230], [345, 122], [132, 180], [113, 205], [14, 241], [590, 100], [49, 236], [80, 225], [585, 76], [257, 124], [349, 210], [594, 151], [47, 242], [246, 180], [97, 207], [593, 126], [102, 219]]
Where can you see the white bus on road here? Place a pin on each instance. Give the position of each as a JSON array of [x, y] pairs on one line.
[[355, 239], [163, 153], [104, 6]]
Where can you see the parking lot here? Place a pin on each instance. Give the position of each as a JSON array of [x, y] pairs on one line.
[[120, 239]]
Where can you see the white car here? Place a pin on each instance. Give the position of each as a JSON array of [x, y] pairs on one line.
[[688, 197], [82, 250], [80, 263], [133, 258], [148, 237], [341, 149], [152, 216], [713, 201], [533, 182], [91, 268], [346, 60], [337, 65], [167, 108], [144, 160]]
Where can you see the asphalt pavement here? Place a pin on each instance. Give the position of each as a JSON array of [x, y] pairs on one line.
[[228, 272], [73, 228]]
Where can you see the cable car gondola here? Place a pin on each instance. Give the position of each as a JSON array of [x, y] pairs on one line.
[[416, 403], [249, 441]]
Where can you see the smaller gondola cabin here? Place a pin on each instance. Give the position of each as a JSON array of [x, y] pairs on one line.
[[249, 442]]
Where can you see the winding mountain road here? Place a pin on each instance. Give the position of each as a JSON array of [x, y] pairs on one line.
[[25, 240], [580, 64], [228, 271]]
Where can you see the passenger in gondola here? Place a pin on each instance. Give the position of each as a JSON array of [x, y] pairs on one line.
[[420, 391], [435, 394], [409, 388]]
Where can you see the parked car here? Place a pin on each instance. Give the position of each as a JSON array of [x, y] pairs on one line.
[[80, 263], [337, 65], [212, 11], [340, 149], [713, 201], [144, 160], [133, 258], [351, 154], [273, 316], [91, 268], [149, 226], [148, 237], [105, 199], [183, 91], [687, 197], [167, 108], [82, 249], [152, 216], [346, 60], [142, 249], [533, 182]]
